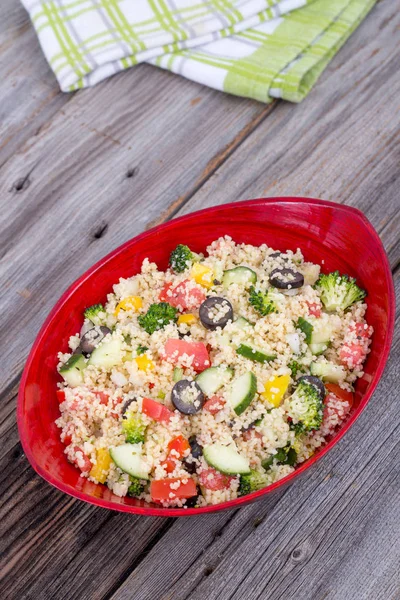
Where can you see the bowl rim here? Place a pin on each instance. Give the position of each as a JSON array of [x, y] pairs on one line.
[[237, 502]]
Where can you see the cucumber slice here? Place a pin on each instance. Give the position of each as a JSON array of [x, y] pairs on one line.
[[177, 374], [239, 275], [254, 354], [306, 328], [226, 459], [328, 371], [318, 349], [128, 457], [318, 333], [72, 370], [322, 331], [210, 380], [107, 354], [242, 392], [243, 323]]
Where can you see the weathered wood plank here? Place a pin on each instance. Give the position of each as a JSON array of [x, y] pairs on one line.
[[111, 161], [29, 93], [342, 143]]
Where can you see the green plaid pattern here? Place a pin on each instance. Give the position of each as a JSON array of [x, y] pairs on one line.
[[260, 49]]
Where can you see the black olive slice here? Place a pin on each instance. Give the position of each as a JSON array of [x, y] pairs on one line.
[[196, 450], [92, 338], [215, 312], [187, 397], [286, 279]]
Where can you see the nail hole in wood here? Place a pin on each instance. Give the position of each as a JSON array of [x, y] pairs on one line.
[[131, 172], [21, 184], [100, 231], [208, 571], [296, 554]]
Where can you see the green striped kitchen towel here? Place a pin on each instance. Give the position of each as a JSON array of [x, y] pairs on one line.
[[260, 49]]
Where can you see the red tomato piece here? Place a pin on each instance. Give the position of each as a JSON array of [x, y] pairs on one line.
[[116, 402], [81, 460], [361, 331], [213, 480], [103, 397], [161, 490], [180, 445], [331, 407], [249, 433], [60, 396], [175, 348], [184, 296], [169, 464], [67, 439], [163, 294], [352, 355], [155, 410], [314, 309], [341, 394], [214, 404]]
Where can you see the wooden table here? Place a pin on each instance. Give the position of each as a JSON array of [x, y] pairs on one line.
[[80, 174]]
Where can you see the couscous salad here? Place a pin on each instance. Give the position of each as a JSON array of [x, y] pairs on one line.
[[214, 378]]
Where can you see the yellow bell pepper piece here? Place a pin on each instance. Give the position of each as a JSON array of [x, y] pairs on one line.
[[202, 275], [189, 319], [275, 389], [99, 471], [129, 303], [144, 363]]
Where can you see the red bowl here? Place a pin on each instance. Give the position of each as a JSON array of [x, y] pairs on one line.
[[339, 235]]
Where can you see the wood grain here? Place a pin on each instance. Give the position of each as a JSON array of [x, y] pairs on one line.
[[107, 163], [29, 93]]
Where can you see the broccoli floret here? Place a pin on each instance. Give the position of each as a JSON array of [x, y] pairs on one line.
[[252, 482], [283, 456], [261, 302], [295, 368], [136, 487], [181, 258], [141, 350], [157, 317], [93, 313], [305, 407], [338, 292], [298, 428], [133, 428]]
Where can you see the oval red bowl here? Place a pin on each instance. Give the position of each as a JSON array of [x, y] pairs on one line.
[[339, 235]]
